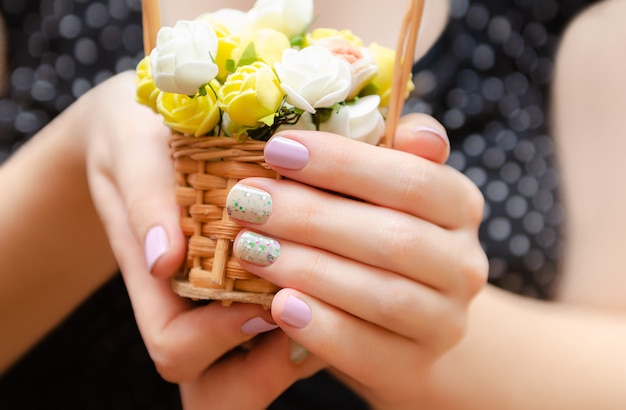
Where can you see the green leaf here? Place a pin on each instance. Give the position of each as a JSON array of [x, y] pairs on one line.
[[268, 119], [248, 56], [230, 65]]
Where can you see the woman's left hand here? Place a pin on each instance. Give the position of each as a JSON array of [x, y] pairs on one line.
[[376, 250]]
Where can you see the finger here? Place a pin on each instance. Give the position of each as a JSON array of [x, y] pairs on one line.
[[147, 188], [367, 233], [372, 294], [142, 172], [375, 357], [382, 176], [183, 339], [422, 135], [249, 380]]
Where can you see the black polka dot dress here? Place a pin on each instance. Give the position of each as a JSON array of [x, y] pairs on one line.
[[487, 80], [59, 49]]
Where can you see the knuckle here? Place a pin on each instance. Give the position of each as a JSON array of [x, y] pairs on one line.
[[168, 361], [475, 269], [393, 301], [399, 238], [412, 180], [475, 204], [307, 221], [450, 331]]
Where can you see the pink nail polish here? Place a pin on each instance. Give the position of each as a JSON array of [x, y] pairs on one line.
[[257, 325], [156, 245], [296, 313], [286, 153], [431, 132]]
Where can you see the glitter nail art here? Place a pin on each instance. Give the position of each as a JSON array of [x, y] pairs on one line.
[[257, 249], [249, 204]]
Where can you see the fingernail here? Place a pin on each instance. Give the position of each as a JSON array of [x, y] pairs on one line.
[[297, 352], [257, 325], [430, 132], [256, 248], [296, 313], [249, 204], [156, 245], [286, 153]]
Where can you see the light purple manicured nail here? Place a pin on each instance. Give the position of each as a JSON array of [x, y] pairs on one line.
[[285, 153], [257, 325], [431, 131], [296, 313], [156, 245]]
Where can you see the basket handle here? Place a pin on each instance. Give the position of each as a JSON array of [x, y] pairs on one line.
[[403, 65], [151, 19]]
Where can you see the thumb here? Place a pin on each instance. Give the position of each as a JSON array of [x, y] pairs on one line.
[[132, 180], [422, 135], [148, 190]]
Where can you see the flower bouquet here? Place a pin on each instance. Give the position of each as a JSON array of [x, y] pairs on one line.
[[225, 82]]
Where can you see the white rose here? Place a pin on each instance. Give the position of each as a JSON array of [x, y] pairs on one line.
[[361, 121], [290, 17], [182, 60], [313, 78]]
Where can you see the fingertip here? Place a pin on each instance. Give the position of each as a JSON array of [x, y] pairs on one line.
[[423, 136], [164, 251], [289, 309]]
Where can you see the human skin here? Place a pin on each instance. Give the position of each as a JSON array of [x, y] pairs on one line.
[[567, 353]]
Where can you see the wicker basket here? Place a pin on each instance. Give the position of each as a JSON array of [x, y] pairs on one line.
[[206, 168]]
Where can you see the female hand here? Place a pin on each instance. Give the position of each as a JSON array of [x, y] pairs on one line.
[[130, 176], [131, 180], [376, 250]]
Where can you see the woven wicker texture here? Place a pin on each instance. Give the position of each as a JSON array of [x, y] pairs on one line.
[[206, 168]]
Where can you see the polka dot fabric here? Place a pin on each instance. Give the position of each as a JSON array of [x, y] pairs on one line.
[[58, 50], [487, 80]]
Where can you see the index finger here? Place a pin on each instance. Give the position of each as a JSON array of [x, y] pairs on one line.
[[381, 176]]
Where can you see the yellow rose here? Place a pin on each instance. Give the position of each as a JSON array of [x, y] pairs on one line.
[[321, 33], [269, 45], [147, 91], [381, 83], [195, 116], [251, 94]]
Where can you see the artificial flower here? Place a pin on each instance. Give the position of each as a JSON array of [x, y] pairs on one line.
[[230, 21], [251, 94], [319, 34], [290, 17], [147, 91], [361, 120], [265, 45], [227, 39], [383, 80], [249, 74], [362, 65], [313, 78], [197, 115], [184, 57]]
